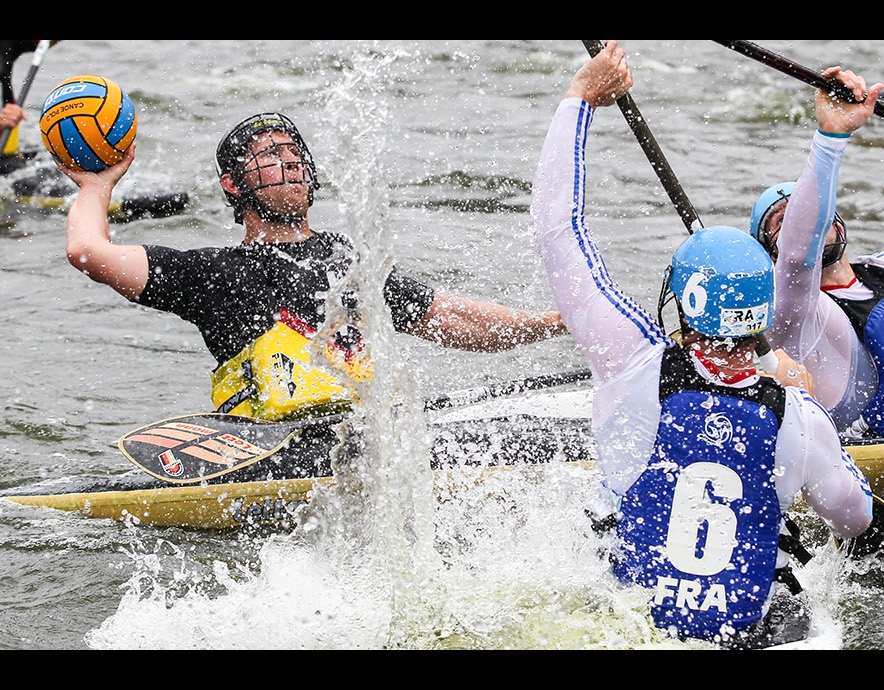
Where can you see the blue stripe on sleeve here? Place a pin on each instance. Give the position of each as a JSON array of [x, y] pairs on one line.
[[606, 285]]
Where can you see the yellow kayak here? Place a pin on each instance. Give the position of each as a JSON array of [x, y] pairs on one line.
[[33, 182], [275, 502], [219, 506], [545, 430], [180, 481]]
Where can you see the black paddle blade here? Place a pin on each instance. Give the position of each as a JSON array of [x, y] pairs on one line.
[[154, 206], [197, 448]]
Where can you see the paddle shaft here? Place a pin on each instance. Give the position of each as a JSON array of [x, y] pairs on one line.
[[654, 153], [805, 74], [39, 53], [472, 396], [673, 188], [148, 448]]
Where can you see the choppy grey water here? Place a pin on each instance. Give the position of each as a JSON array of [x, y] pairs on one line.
[[442, 138]]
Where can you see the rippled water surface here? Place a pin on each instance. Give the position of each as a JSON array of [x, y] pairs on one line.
[[427, 149]]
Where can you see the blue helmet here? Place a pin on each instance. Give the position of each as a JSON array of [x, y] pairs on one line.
[[724, 283], [832, 252], [768, 198]]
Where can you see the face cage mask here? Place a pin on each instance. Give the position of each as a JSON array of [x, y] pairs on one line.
[[293, 172], [666, 296], [230, 158], [832, 253]]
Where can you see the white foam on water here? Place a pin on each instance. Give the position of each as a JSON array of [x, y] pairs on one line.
[[513, 565], [299, 600], [512, 568]]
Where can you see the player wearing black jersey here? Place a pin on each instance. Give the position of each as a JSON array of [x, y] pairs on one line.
[[260, 306]]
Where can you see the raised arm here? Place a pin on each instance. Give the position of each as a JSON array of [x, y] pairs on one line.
[[812, 205], [611, 329], [808, 324], [811, 209], [89, 245]]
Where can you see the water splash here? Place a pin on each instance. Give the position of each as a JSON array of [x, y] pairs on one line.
[[350, 575]]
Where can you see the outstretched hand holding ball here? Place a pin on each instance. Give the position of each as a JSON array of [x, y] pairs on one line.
[[88, 122]]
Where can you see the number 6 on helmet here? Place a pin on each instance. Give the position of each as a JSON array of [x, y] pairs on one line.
[[724, 283]]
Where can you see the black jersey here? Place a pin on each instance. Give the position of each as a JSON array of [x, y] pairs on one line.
[[858, 311], [233, 295], [10, 51]]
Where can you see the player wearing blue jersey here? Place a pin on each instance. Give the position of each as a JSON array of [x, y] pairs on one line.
[[701, 454], [828, 308]]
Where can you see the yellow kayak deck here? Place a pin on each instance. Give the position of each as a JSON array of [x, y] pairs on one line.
[[218, 506], [226, 506]]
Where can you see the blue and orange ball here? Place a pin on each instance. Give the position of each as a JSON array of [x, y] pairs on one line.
[[88, 122]]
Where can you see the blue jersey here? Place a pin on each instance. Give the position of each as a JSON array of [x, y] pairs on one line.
[[701, 469], [867, 317], [700, 527]]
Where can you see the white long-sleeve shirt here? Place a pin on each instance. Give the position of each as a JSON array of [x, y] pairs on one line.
[[809, 325], [624, 347]]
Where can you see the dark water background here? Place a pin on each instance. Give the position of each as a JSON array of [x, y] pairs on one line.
[[456, 128]]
